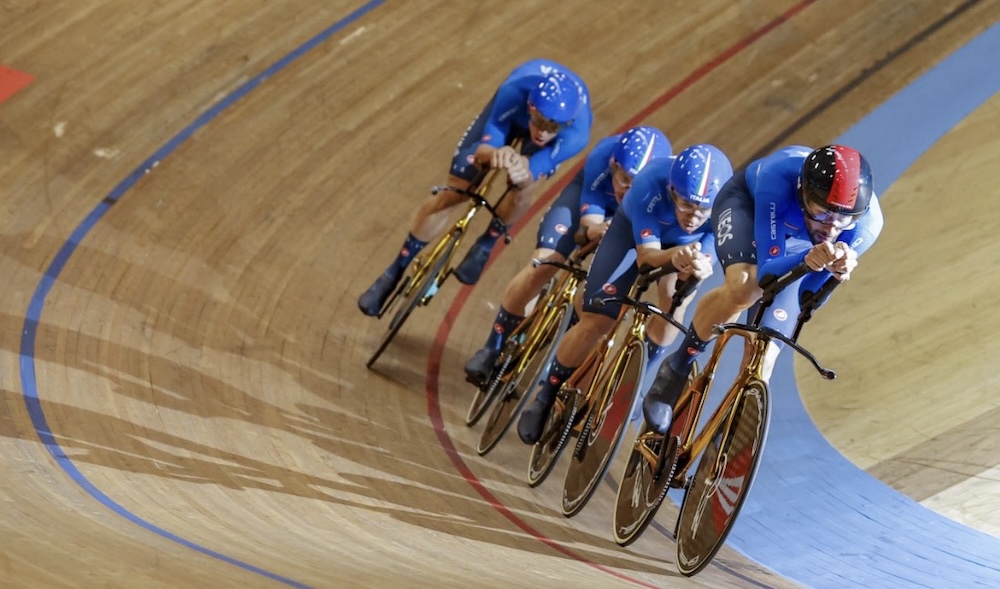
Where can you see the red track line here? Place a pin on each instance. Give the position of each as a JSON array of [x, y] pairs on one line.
[[437, 348]]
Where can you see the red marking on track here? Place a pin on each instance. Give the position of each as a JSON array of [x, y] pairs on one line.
[[437, 348], [12, 81]]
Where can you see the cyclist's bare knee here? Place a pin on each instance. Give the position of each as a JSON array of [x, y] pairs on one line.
[[739, 289]]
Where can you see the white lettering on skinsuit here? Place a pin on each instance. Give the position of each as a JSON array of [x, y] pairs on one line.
[[774, 220], [725, 226]]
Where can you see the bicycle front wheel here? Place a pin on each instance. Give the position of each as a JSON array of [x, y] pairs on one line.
[[416, 290], [531, 366], [722, 480], [545, 452], [602, 432], [485, 395], [642, 488]]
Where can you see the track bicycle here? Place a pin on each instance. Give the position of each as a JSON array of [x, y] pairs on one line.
[[431, 268], [609, 377], [730, 444], [532, 346]]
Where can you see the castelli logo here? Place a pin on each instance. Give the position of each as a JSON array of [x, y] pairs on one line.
[[646, 233], [470, 159], [609, 288], [780, 314], [498, 328], [404, 252], [775, 250], [583, 208], [553, 380], [561, 229], [487, 137], [692, 351]]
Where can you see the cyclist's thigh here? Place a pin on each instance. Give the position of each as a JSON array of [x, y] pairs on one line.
[[613, 270], [560, 222], [733, 224]]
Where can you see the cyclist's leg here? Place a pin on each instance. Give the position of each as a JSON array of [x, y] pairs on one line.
[[660, 333], [613, 270], [734, 230], [555, 240], [431, 217]]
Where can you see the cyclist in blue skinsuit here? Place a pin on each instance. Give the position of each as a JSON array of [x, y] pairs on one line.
[[588, 201], [794, 205], [541, 102], [663, 219]]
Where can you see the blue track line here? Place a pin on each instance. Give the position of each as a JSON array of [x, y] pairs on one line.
[[33, 317]]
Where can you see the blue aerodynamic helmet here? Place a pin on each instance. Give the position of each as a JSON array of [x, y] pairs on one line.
[[698, 174], [557, 97], [637, 146]]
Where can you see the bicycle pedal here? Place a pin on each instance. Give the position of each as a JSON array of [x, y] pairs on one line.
[[474, 382], [680, 481]]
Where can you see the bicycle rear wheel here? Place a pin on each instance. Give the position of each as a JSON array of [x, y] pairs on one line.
[[602, 433], [415, 291], [530, 367], [722, 480], [644, 484]]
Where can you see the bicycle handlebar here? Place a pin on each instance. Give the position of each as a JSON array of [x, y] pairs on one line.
[[570, 265], [774, 334], [648, 275], [480, 200], [809, 302]]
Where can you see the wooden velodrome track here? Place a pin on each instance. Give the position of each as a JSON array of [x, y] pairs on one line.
[[185, 232]]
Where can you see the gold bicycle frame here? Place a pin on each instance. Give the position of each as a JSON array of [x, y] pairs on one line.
[[636, 332], [563, 291], [422, 263], [697, 439]]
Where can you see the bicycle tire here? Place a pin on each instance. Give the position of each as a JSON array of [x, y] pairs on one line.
[[484, 396], [641, 491], [730, 460], [640, 494], [558, 427], [602, 433], [414, 297], [533, 364]]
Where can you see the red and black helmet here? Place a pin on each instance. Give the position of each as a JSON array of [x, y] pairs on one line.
[[836, 178]]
